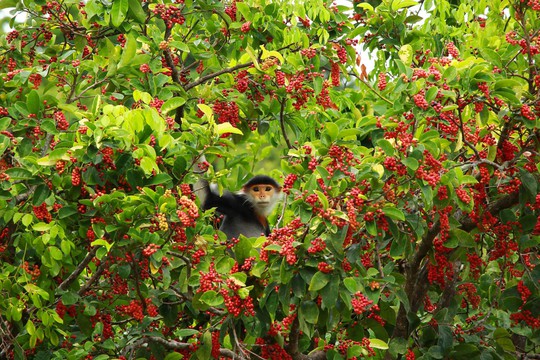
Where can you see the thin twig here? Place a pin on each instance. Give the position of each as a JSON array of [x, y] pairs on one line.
[[208, 77], [282, 122], [79, 269]]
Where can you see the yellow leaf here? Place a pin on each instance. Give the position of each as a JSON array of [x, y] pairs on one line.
[[227, 128]]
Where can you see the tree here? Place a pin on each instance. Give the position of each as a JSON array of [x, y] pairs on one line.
[[410, 227]]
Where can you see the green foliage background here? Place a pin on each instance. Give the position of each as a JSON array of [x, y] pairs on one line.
[[410, 226]]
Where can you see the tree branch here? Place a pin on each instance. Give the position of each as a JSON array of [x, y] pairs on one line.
[[95, 276], [282, 123], [208, 77], [417, 284], [78, 270]]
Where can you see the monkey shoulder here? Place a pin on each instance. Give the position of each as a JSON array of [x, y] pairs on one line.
[[229, 203]]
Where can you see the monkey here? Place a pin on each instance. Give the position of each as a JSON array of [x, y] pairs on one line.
[[246, 211]]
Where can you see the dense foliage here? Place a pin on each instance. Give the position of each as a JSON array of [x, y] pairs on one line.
[[410, 226]]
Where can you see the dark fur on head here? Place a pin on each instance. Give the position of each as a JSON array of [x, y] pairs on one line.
[[262, 179]]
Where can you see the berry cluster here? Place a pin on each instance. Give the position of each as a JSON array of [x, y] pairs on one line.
[[170, 14], [527, 317], [420, 100], [226, 112], [360, 303], [289, 182], [134, 309], [209, 280], [325, 267], [246, 27], [341, 53], [144, 68], [188, 212], [61, 122], [242, 81], [62, 310], [527, 112], [463, 195], [470, 295], [35, 79], [237, 306], [310, 53], [34, 271], [272, 351], [382, 81], [150, 249], [317, 245], [215, 345], [283, 237], [335, 74], [323, 98], [76, 177], [524, 291], [42, 213], [475, 264], [231, 10]]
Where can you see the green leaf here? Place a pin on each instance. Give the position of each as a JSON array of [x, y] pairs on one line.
[[212, 298], [33, 102], [350, 284], [27, 219], [159, 179], [503, 339], [431, 93], [119, 12], [4, 4], [207, 110], [4, 123], [450, 74], [463, 238], [393, 213], [226, 128], [147, 164], [172, 104], [446, 337], [378, 344], [180, 165], [318, 281], [67, 211], [136, 11], [130, 50], [56, 254], [309, 312], [400, 4], [464, 352], [411, 163], [186, 332], [70, 298], [406, 53], [332, 130], [16, 173], [387, 147], [242, 249], [41, 194], [174, 356]]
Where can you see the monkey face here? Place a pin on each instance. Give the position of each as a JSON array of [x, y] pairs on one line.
[[262, 194]]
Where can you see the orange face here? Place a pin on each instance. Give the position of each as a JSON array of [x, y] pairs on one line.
[[262, 193]]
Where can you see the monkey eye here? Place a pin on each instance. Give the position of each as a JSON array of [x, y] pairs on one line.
[[256, 188], [268, 188]]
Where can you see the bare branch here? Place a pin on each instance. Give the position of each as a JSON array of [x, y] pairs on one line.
[[282, 123], [208, 77], [95, 276], [78, 270]]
